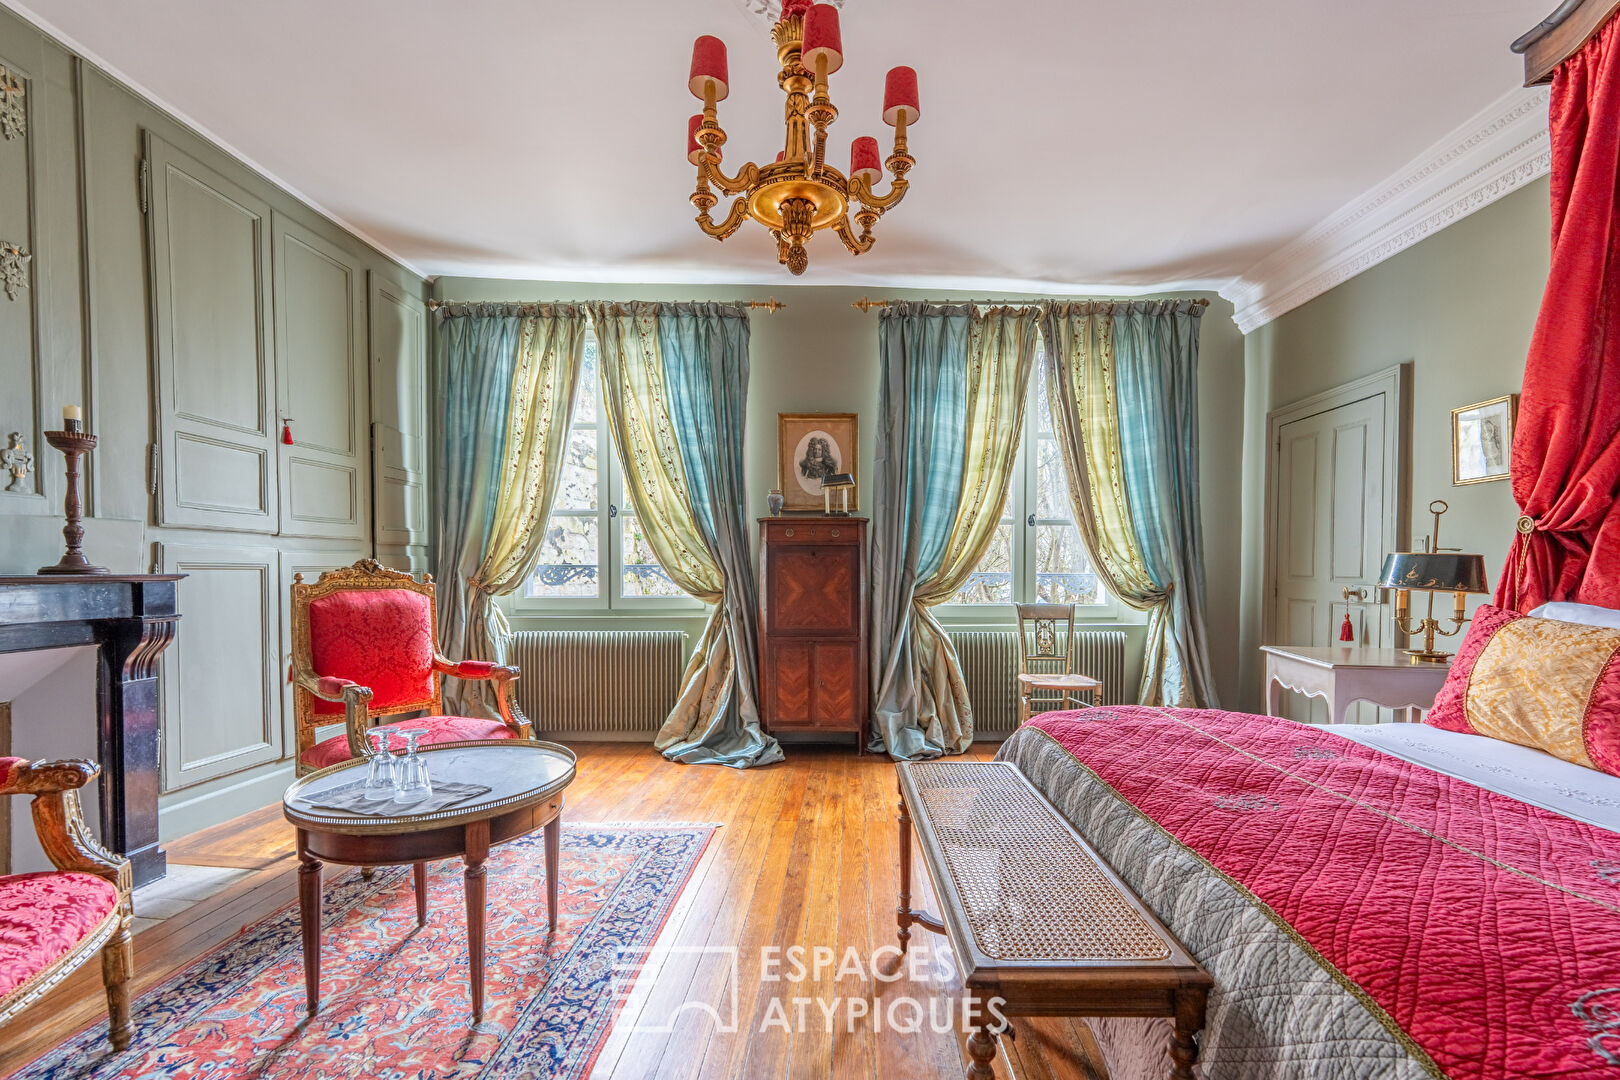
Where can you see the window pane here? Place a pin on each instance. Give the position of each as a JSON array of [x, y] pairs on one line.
[[642, 575], [567, 566], [585, 402], [1063, 572], [991, 582], [1051, 483], [577, 489], [1043, 408]]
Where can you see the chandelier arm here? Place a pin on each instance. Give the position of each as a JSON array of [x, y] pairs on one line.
[[857, 246], [709, 170], [733, 220], [862, 191]]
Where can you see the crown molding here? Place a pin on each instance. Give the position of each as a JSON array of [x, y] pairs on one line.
[[1500, 149]]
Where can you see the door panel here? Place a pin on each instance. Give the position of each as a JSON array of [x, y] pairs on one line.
[[790, 683], [221, 678], [321, 374], [833, 699], [211, 306], [24, 340], [1330, 533], [399, 386], [813, 590]]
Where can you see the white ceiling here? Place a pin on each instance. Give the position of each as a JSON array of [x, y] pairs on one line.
[[1064, 145]]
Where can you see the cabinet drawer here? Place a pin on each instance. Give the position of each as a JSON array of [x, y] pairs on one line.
[[788, 531]]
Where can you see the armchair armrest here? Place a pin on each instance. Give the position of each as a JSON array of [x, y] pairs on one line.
[[59, 820], [501, 675], [356, 703]]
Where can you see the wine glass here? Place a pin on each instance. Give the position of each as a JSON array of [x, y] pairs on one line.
[[379, 786], [412, 783]]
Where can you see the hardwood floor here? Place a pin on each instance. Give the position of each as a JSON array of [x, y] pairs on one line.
[[805, 856]]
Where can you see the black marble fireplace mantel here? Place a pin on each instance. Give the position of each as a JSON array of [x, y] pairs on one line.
[[130, 619]]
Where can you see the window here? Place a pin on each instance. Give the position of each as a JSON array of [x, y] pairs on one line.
[[1036, 555], [595, 555]]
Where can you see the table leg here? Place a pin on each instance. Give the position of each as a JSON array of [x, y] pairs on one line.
[[982, 1049], [477, 848], [1274, 693], [1188, 1022], [419, 876], [553, 856], [903, 913], [309, 916]]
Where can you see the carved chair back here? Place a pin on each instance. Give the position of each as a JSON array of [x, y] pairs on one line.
[[1046, 639], [371, 625]]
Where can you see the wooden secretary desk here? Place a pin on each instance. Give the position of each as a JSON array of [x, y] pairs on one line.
[[812, 625]]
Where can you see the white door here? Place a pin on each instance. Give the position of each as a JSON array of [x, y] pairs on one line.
[[1329, 533]]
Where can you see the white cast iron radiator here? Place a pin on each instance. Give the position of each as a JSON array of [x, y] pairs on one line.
[[990, 668], [608, 684]]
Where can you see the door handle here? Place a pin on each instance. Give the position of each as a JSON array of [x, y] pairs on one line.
[[613, 511], [1030, 521]]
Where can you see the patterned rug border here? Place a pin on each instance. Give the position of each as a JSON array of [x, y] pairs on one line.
[[193, 966]]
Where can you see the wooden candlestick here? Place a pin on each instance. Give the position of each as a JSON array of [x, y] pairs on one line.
[[73, 445]]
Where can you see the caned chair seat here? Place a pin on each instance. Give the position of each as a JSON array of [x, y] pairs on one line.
[[1059, 682], [440, 729], [43, 916]]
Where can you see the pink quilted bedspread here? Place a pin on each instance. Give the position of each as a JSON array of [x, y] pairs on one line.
[[1486, 929]]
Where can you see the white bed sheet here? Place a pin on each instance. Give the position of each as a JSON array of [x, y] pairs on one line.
[[1520, 772]]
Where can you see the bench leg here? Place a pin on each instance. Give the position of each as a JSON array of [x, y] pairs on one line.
[[1189, 1021], [117, 964], [982, 1049], [902, 914]]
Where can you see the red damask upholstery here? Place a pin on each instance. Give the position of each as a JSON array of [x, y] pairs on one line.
[[381, 638], [7, 766], [42, 916], [440, 729]]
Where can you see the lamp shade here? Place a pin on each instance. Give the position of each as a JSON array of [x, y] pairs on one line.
[[791, 8], [709, 64], [694, 149], [821, 38], [864, 161], [900, 92], [1437, 571]]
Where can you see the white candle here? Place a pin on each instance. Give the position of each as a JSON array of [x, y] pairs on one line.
[[71, 412]]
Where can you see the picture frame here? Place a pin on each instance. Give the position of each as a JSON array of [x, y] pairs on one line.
[[1482, 440], [810, 446]]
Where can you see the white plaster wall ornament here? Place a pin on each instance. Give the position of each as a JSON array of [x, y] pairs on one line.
[[13, 105], [771, 10], [14, 262], [16, 460]]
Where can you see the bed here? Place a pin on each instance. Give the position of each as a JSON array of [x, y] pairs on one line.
[[1390, 901]]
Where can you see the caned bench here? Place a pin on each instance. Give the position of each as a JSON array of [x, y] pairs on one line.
[[1034, 916]]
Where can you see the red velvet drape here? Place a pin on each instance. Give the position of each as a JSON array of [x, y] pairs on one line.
[[1566, 449]]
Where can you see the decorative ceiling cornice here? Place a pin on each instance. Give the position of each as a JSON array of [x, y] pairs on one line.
[[1500, 149]]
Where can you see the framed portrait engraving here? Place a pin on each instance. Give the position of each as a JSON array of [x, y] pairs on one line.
[[1482, 440], [810, 446]]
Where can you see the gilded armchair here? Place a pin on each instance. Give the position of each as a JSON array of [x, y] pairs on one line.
[[363, 648], [52, 922]]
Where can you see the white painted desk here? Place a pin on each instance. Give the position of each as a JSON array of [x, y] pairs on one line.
[[1345, 674]]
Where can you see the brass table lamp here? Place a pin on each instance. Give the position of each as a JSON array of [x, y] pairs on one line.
[[1435, 570]]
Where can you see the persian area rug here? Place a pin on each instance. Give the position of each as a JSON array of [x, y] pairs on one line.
[[394, 996]]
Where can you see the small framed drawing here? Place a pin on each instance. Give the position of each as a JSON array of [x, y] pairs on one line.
[[1482, 440], [810, 446]]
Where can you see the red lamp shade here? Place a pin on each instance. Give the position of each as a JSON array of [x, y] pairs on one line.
[[821, 38], [709, 64], [900, 92], [863, 160], [694, 149]]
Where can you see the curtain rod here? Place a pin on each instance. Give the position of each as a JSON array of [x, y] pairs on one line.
[[771, 306], [866, 304]]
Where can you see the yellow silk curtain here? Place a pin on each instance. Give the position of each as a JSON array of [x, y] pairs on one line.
[[545, 376], [1001, 353], [637, 413], [1080, 374]]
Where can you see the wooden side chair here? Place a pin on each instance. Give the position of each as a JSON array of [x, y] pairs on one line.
[[53, 922], [1046, 677], [363, 648]]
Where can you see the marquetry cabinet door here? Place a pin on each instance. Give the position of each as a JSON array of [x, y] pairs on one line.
[[210, 247], [222, 676], [322, 386], [399, 386]]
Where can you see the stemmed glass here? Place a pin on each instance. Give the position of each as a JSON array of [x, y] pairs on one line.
[[380, 773], [412, 783]]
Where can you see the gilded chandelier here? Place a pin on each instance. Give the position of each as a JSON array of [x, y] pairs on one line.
[[799, 192]]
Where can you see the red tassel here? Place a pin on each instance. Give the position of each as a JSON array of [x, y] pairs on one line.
[[286, 432], [1347, 632]]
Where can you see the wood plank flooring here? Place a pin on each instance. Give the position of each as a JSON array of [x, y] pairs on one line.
[[806, 857]]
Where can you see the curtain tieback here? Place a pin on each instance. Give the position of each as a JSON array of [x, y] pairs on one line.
[[1527, 524]]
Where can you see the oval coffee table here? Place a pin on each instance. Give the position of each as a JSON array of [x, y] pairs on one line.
[[526, 781]]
